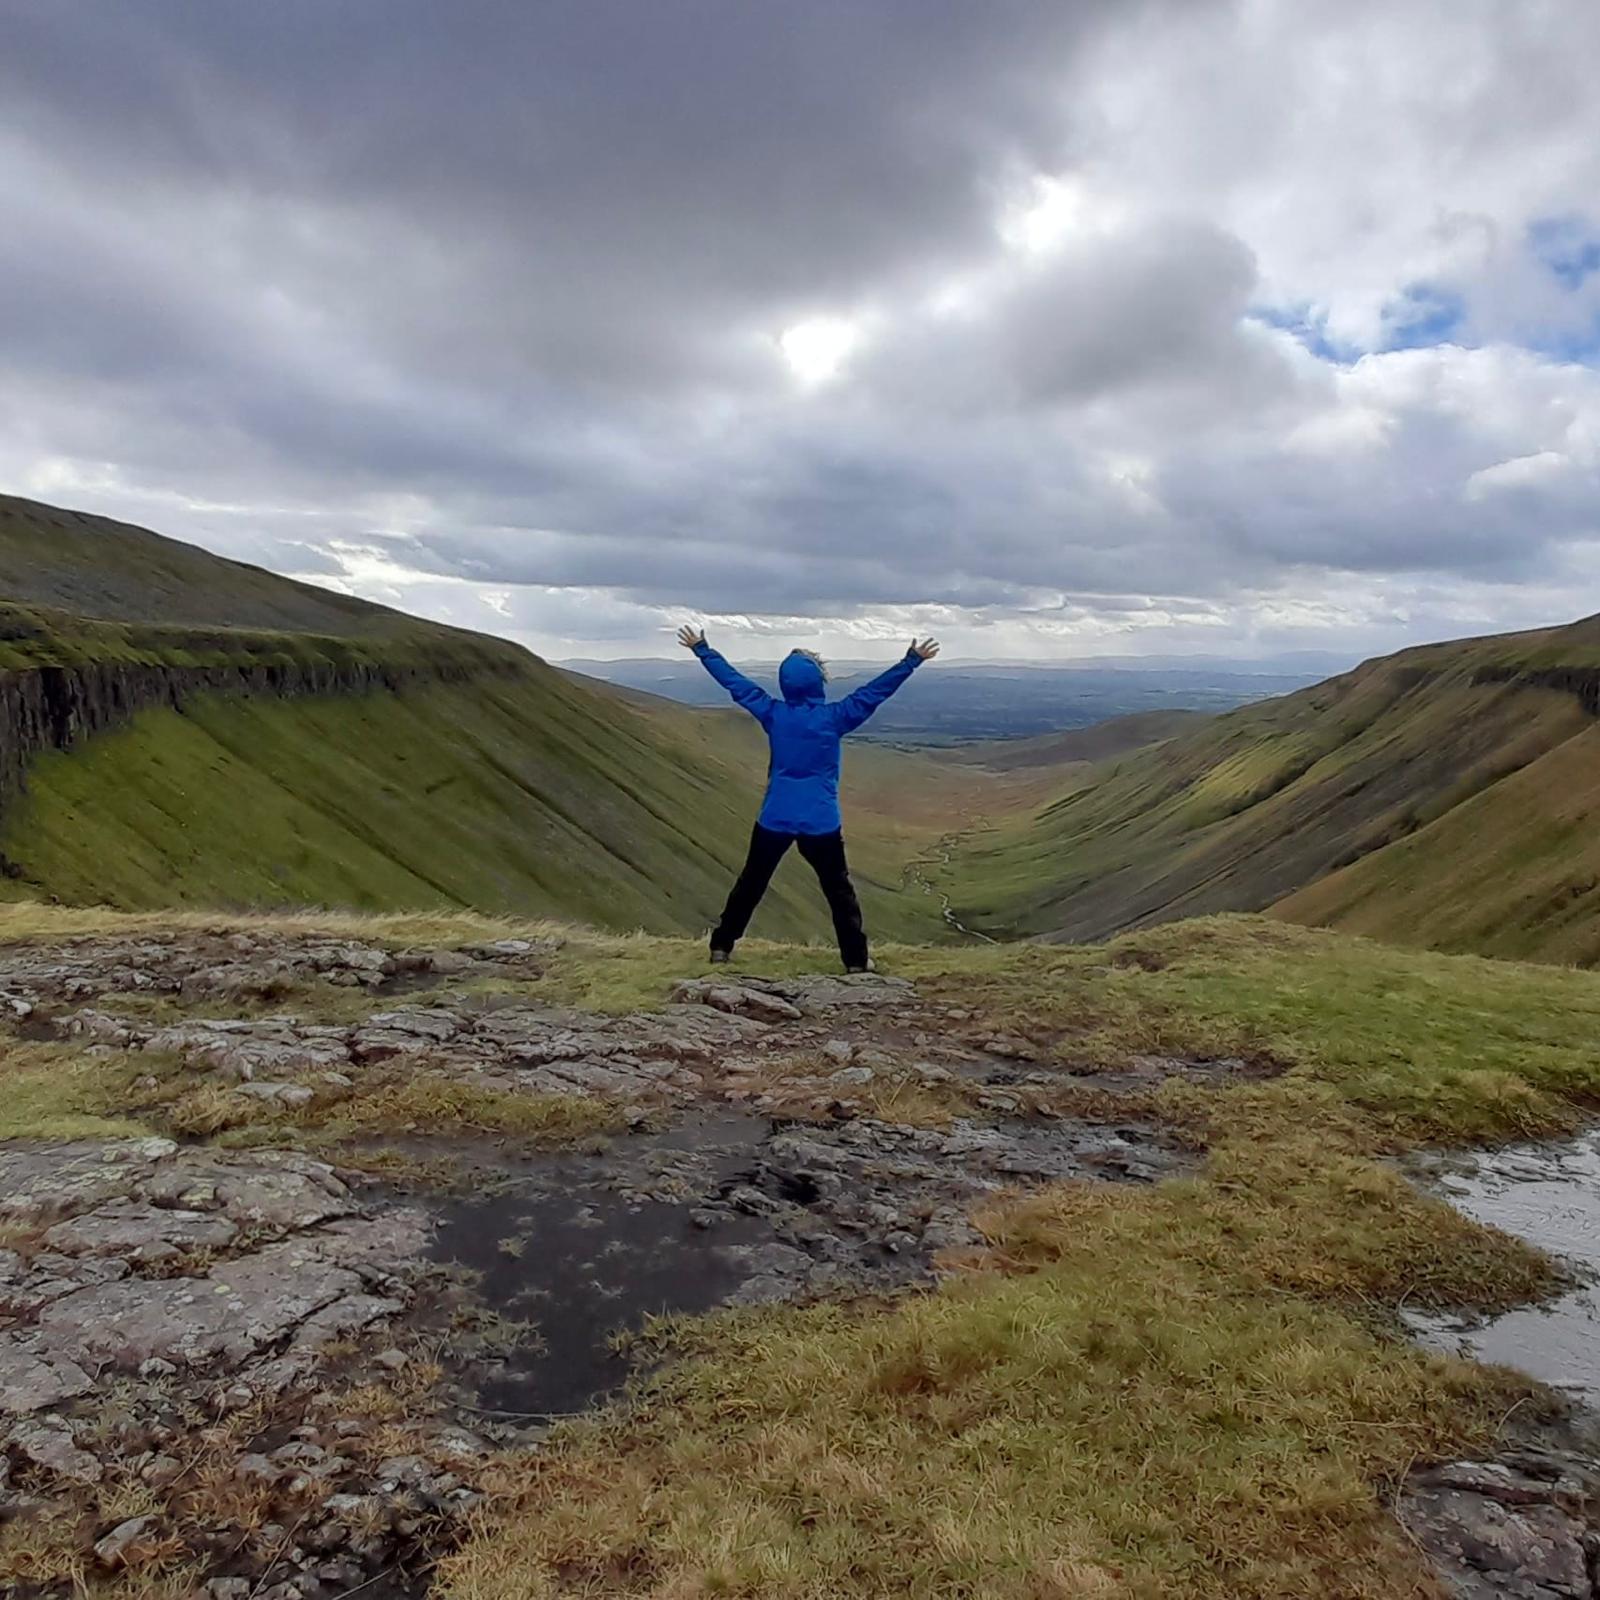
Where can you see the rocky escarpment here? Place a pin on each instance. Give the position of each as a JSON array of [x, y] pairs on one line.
[[1581, 682], [56, 707]]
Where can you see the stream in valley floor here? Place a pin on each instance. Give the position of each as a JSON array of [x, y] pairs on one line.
[[1549, 1195]]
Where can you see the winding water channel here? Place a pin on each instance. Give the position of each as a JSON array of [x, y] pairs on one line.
[[938, 858]]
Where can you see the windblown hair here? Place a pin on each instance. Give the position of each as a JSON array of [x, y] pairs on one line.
[[816, 661]]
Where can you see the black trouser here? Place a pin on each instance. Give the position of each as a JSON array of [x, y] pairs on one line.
[[825, 854]]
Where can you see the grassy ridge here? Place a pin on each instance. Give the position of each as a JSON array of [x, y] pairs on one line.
[[39, 636], [96, 567], [1258, 804]]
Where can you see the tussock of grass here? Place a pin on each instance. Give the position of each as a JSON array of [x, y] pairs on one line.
[[45, 1548], [51, 1092], [802, 1086], [911, 1104], [1185, 1391], [1290, 1195], [417, 1103], [434, 1104], [636, 973]]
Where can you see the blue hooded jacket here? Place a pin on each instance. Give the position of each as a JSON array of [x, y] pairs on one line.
[[804, 729]]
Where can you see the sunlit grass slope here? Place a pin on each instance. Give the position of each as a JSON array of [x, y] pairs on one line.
[[1262, 802], [1514, 871]]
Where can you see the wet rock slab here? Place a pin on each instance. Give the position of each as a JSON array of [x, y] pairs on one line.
[[1548, 1195], [296, 1255], [1525, 1526], [150, 1286], [1514, 1529]]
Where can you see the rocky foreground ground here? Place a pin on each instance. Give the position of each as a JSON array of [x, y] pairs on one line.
[[393, 1210]]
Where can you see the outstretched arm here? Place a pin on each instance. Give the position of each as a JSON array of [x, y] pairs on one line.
[[750, 695], [855, 708]]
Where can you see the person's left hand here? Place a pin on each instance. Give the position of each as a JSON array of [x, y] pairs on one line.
[[691, 638], [925, 649]]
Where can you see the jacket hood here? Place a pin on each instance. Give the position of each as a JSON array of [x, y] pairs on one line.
[[801, 679]]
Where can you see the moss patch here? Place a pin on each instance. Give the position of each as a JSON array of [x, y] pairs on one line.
[[418, 1103]]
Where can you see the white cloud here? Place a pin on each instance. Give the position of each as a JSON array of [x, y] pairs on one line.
[[1521, 472]]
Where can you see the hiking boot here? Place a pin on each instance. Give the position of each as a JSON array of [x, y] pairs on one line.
[[720, 958], [869, 966]]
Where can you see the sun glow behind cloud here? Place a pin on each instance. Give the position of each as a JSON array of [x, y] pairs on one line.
[[1047, 211], [817, 348]]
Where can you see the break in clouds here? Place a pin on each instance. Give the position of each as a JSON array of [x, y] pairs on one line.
[[1057, 328]]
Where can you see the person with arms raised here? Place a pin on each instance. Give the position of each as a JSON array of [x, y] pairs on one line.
[[805, 731]]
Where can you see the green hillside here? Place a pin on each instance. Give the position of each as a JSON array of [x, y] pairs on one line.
[[1514, 871], [518, 795], [464, 772], [1448, 780]]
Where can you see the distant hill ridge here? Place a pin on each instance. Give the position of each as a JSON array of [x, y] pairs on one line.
[[1113, 737], [100, 620]]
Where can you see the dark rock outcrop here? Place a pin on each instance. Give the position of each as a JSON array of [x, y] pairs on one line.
[[57, 707], [1581, 682]]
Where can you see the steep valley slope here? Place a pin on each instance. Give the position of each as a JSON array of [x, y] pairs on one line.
[[267, 743], [1444, 796]]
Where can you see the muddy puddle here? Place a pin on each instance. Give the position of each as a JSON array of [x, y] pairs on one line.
[[564, 1253], [1549, 1195], [570, 1252]]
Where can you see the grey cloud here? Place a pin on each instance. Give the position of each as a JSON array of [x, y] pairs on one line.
[[600, 191], [1158, 302]]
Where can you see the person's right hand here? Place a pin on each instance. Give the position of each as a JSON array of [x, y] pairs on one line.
[[691, 638], [925, 649]]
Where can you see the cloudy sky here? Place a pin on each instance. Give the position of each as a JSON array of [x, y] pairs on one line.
[[1058, 329]]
